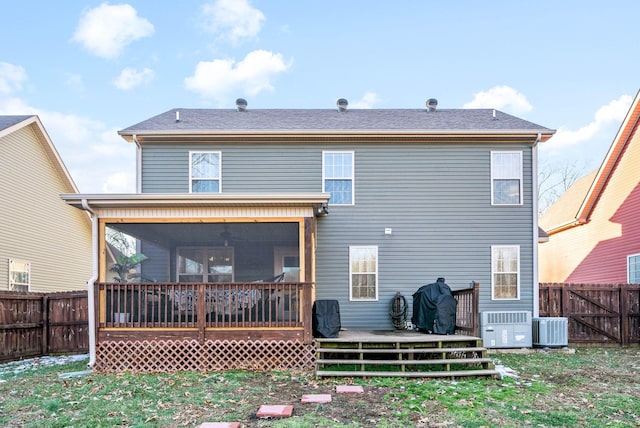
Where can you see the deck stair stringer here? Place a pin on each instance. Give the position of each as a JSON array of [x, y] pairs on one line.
[[402, 354]]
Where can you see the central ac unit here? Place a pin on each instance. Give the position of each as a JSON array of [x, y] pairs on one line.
[[506, 329], [550, 332]]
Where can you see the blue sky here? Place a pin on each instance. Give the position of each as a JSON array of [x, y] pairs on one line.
[[89, 68]]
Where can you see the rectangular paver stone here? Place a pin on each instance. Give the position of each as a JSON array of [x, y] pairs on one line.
[[316, 398], [266, 411], [220, 425], [349, 389]]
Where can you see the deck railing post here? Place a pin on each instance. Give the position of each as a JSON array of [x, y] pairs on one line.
[[306, 312], [476, 308], [200, 311]]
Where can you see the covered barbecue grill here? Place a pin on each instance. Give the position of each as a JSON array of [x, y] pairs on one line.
[[434, 308]]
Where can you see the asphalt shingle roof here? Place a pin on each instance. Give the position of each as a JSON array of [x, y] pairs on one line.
[[7, 121], [220, 120]]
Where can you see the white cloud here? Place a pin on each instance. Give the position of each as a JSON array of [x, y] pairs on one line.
[[220, 78], [129, 78], [95, 156], [11, 78], [233, 20], [368, 100], [501, 98], [609, 114], [105, 30]]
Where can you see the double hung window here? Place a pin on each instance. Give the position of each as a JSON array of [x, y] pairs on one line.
[[505, 272], [506, 178], [363, 272], [204, 172], [337, 177], [19, 275]]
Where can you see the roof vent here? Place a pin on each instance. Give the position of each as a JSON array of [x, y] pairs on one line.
[[177, 115], [241, 104], [432, 103], [342, 104]]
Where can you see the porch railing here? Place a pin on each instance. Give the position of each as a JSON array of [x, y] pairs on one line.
[[467, 315], [204, 305]]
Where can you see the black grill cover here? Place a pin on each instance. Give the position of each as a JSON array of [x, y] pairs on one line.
[[434, 308], [326, 318]]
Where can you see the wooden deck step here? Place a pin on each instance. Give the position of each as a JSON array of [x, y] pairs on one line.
[[464, 361], [438, 374], [399, 350], [405, 354]]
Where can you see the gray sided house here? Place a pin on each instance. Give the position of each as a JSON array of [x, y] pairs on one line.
[[339, 204]]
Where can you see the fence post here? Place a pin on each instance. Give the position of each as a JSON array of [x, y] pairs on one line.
[[624, 315], [45, 324]]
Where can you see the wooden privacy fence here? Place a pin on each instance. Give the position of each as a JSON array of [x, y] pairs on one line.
[[36, 324], [597, 313]]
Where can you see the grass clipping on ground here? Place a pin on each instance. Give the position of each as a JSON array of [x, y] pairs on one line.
[[591, 387]]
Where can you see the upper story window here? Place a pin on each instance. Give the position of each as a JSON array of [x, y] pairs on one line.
[[633, 269], [337, 177], [204, 172], [506, 178], [505, 272], [363, 273], [19, 275]]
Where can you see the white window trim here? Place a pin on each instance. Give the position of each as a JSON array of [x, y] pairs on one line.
[[352, 178], [351, 298], [629, 270], [519, 153], [11, 283], [493, 272], [219, 153]]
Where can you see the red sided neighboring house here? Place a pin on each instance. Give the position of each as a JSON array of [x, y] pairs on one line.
[[594, 228]]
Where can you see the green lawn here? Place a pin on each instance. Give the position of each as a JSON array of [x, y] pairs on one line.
[[591, 387]]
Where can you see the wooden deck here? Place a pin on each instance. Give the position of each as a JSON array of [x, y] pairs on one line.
[[402, 353]]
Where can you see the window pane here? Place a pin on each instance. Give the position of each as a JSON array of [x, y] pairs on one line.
[[506, 192], [191, 261], [340, 191], [205, 186], [205, 165], [506, 165], [634, 269]]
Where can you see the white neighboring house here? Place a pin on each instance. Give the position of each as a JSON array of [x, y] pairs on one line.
[[45, 245]]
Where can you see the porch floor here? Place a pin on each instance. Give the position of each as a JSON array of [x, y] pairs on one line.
[[402, 353]]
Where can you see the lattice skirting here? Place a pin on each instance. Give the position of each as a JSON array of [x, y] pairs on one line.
[[219, 355]]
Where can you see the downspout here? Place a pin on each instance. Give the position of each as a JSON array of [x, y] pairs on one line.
[[138, 164], [91, 283], [536, 285]]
